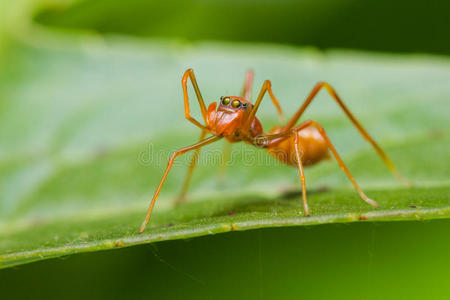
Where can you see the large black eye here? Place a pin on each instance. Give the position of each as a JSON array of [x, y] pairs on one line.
[[225, 101], [235, 103]]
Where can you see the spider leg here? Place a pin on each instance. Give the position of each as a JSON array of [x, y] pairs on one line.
[[387, 161], [267, 87], [187, 179], [181, 198], [247, 88], [169, 166], [224, 163], [271, 140], [301, 173], [189, 74], [338, 158]]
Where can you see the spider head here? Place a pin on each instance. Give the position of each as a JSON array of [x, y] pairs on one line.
[[230, 114]]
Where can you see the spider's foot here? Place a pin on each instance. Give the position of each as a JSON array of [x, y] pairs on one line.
[[372, 202]]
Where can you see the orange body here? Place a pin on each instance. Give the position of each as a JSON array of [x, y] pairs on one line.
[[313, 147], [234, 119], [226, 122]]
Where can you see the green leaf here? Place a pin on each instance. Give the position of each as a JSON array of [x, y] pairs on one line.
[[87, 124]]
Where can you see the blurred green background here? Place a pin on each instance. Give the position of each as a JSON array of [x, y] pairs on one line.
[[388, 260], [379, 25]]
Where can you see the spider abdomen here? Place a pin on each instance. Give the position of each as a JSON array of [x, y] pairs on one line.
[[313, 148]]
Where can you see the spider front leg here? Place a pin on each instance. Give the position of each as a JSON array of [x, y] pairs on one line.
[[190, 74], [247, 88], [169, 166], [246, 93], [267, 87], [187, 179], [226, 155]]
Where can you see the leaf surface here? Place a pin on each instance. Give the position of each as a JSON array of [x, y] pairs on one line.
[[87, 125]]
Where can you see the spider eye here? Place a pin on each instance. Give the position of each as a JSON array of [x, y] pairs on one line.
[[225, 101], [235, 103], [244, 105]]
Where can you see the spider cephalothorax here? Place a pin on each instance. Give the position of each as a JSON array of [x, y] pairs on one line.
[[226, 119]]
